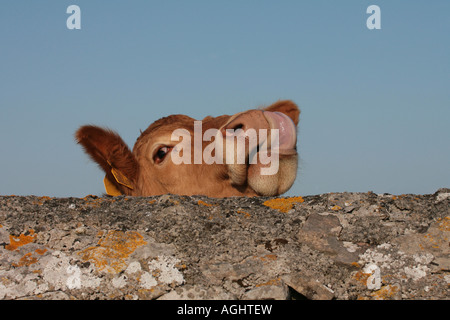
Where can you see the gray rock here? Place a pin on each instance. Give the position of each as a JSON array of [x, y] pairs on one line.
[[330, 246]]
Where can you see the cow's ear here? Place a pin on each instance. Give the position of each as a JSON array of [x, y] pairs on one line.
[[112, 154], [287, 107]]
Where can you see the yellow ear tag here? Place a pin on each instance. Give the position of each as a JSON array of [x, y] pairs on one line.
[[111, 188], [120, 178]]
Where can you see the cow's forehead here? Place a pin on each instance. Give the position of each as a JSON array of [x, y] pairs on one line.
[[165, 125], [170, 123]]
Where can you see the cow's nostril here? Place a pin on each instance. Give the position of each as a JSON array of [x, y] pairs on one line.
[[232, 131]]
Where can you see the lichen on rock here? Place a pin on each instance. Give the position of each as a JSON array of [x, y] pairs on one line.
[[329, 246]]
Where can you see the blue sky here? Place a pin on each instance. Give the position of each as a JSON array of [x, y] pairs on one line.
[[375, 103]]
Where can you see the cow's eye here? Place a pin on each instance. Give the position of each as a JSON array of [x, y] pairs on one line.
[[238, 126], [161, 154]]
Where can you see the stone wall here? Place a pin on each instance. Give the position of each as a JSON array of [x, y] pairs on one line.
[[330, 246]]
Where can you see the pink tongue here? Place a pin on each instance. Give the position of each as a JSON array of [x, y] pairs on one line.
[[288, 134]]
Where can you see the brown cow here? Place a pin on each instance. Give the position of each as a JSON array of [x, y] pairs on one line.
[[149, 170]]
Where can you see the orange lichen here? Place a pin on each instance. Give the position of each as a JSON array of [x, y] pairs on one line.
[[40, 251], [23, 239], [283, 204], [431, 241], [41, 200], [95, 202], [247, 215], [271, 282], [270, 257], [203, 203], [26, 260], [89, 196], [362, 277], [181, 266], [267, 257], [385, 293], [336, 208], [111, 252], [444, 224]]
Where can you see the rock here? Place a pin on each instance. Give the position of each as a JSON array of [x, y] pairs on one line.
[[306, 284], [330, 246], [321, 232], [270, 291], [197, 293]]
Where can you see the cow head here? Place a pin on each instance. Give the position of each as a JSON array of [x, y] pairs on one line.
[[247, 154]]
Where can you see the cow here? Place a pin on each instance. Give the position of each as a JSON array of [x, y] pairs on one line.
[[167, 160]]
